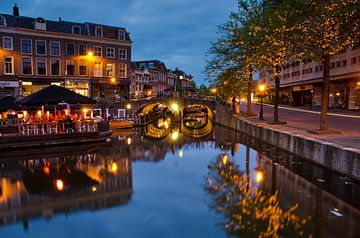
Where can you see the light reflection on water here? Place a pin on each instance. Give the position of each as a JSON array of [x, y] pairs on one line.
[[141, 185]]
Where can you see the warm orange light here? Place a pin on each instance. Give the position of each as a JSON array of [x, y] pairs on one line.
[[59, 184], [128, 141], [337, 94], [149, 93], [114, 167], [39, 113], [213, 90], [46, 170], [262, 87], [113, 80], [90, 53], [225, 159], [259, 176], [128, 106], [358, 83], [94, 189]]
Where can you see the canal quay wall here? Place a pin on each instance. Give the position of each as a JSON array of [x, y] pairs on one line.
[[332, 156]]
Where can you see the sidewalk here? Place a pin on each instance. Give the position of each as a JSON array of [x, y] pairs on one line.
[[299, 121]]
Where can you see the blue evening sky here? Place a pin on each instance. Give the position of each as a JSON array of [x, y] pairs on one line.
[[177, 32]]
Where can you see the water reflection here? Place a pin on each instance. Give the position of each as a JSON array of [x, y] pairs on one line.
[[248, 210], [256, 187]]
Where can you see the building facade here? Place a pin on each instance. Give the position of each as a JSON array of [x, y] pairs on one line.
[[90, 59], [301, 82], [151, 77]]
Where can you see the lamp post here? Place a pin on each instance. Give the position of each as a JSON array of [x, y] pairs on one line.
[[262, 92], [213, 91]]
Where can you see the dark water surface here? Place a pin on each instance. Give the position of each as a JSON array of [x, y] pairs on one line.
[[164, 183]]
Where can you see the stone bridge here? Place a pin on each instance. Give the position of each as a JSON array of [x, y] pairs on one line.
[[173, 104]]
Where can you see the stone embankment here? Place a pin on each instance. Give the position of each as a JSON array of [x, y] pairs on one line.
[[335, 157]]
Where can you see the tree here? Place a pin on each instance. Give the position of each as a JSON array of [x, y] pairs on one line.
[[326, 28], [273, 30]]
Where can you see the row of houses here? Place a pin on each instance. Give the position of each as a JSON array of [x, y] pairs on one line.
[[88, 58], [301, 81]]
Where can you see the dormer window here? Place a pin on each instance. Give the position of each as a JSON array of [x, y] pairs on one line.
[[76, 30], [40, 24], [121, 35], [98, 32], [2, 21]]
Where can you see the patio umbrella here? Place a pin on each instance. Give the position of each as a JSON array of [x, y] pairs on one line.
[[8, 103], [54, 95]]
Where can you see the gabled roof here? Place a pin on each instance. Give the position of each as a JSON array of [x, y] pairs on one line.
[[61, 26]]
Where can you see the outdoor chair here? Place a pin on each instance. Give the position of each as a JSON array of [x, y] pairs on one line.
[[81, 127]]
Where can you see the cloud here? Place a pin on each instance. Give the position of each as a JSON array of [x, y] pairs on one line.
[[178, 32]]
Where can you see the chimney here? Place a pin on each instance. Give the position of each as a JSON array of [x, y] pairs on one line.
[[16, 11]]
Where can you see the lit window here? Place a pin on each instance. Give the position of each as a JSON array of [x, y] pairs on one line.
[[8, 43], [98, 32], [26, 65], [98, 51], [110, 70], [122, 35], [41, 66], [8, 65], [55, 66], [110, 53], [122, 71], [122, 54], [54, 48], [26, 46], [97, 69], [41, 47]]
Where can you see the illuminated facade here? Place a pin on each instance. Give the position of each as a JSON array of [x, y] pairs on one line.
[[90, 59], [301, 82]]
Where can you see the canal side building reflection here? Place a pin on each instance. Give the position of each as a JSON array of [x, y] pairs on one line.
[[331, 216], [106, 181]]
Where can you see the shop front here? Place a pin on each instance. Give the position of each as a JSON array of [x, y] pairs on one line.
[[81, 87], [31, 86], [303, 95], [9, 88]]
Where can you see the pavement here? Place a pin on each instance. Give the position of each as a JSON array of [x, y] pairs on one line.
[[300, 120]]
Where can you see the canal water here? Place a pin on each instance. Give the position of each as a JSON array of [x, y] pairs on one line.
[[168, 181]]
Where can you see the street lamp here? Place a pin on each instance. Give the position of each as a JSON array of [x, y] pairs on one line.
[[262, 88], [213, 91]]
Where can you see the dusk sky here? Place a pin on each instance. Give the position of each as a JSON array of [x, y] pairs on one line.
[[177, 32]]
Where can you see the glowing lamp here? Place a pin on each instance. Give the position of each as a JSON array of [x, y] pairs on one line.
[[90, 54], [114, 167], [128, 106], [59, 185]]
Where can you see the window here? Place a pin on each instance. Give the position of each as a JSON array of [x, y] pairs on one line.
[[110, 53], [70, 67], [55, 66], [2, 21], [338, 63], [122, 71], [82, 49], [70, 49], [8, 43], [41, 47], [26, 46], [98, 51], [123, 54], [110, 70], [76, 30], [97, 69], [82, 68], [55, 48], [353, 60], [41, 66], [26, 65], [122, 35], [8, 65], [151, 65], [98, 32], [343, 62]]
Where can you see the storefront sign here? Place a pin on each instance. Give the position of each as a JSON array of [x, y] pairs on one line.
[[9, 84], [303, 88]]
